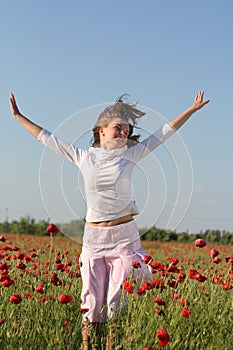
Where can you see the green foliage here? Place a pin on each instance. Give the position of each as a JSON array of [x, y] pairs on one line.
[[210, 236], [74, 230]]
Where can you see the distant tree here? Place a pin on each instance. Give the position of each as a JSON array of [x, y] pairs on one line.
[[212, 236]]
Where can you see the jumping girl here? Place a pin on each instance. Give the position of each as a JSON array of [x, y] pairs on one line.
[[111, 239]]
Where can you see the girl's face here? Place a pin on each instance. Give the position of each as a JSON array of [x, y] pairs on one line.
[[115, 135]]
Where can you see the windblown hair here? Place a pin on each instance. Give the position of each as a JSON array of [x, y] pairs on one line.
[[119, 109]]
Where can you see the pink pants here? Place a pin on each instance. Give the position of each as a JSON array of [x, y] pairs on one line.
[[106, 261]]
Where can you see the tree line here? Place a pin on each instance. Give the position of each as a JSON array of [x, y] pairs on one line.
[[28, 225]]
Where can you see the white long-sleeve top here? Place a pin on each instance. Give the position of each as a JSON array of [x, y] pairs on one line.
[[107, 173]]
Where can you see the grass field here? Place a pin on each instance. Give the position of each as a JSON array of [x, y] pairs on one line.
[[188, 304]]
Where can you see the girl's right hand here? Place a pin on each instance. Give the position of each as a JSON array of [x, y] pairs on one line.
[[13, 106]]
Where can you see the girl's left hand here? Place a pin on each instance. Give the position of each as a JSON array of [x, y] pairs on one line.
[[198, 102]]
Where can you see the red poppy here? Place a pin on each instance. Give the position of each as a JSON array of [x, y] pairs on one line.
[[2, 239], [156, 265], [147, 259], [66, 323], [216, 260], [226, 286], [15, 299], [181, 277], [159, 311], [52, 229], [84, 310], [196, 276], [146, 348], [136, 264], [20, 265], [4, 266], [2, 320], [159, 301], [55, 280], [200, 243], [44, 298], [173, 261], [229, 260], [163, 337], [40, 288], [7, 282], [184, 302], [158, 283], [146, 285], [214, 252], [65, 298], [128, 287], [28, 295], [186, 312], [141, 291]]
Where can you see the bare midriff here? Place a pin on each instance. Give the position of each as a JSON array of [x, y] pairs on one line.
[[114, 222]]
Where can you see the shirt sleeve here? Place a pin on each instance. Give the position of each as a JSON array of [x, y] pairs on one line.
[[61, 148], [143, 148]]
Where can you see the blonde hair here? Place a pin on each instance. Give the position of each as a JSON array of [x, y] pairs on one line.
[[122, 110]]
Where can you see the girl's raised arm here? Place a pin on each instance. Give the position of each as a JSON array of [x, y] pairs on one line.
[[31, 127], [177, 122]]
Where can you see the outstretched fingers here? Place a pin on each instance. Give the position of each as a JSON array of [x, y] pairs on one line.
[[199, 100], [13, 105]]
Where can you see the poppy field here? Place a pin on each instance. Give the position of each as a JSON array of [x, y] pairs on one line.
[[188, 303]]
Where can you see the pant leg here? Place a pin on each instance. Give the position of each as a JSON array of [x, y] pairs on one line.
[[94, 286], [119, 268]]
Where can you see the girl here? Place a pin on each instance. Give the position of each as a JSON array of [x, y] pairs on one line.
[[111, 241]]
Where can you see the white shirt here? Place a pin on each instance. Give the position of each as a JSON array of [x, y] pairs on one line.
[[107, 173]]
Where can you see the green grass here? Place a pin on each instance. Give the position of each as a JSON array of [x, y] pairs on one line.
[[32, 325]]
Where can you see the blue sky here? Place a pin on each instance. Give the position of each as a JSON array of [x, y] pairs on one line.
[[63, 57]]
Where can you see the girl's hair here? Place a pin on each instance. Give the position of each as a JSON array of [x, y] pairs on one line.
[[119, 109]]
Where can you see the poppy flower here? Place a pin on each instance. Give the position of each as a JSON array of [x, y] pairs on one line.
[[65, 298], [28, 295], [128, 287], [214, 252], [147, 259], [159, 311], [20, 265], [181, 277], [159, 301], [184, 302], [40, 288], [163, 337], [173, 261], [186, 312], [52, 229], [229, 260], [43, 299], [2, 320], [7, 282], [216, 260], [156, 265], [146, 285], [226, 286], [84, 310], [196, 276], [141, 291], [200, 243], [2, 239], [136, 264], [15, 299]]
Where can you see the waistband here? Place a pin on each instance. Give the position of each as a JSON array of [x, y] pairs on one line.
[[110, 236]]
